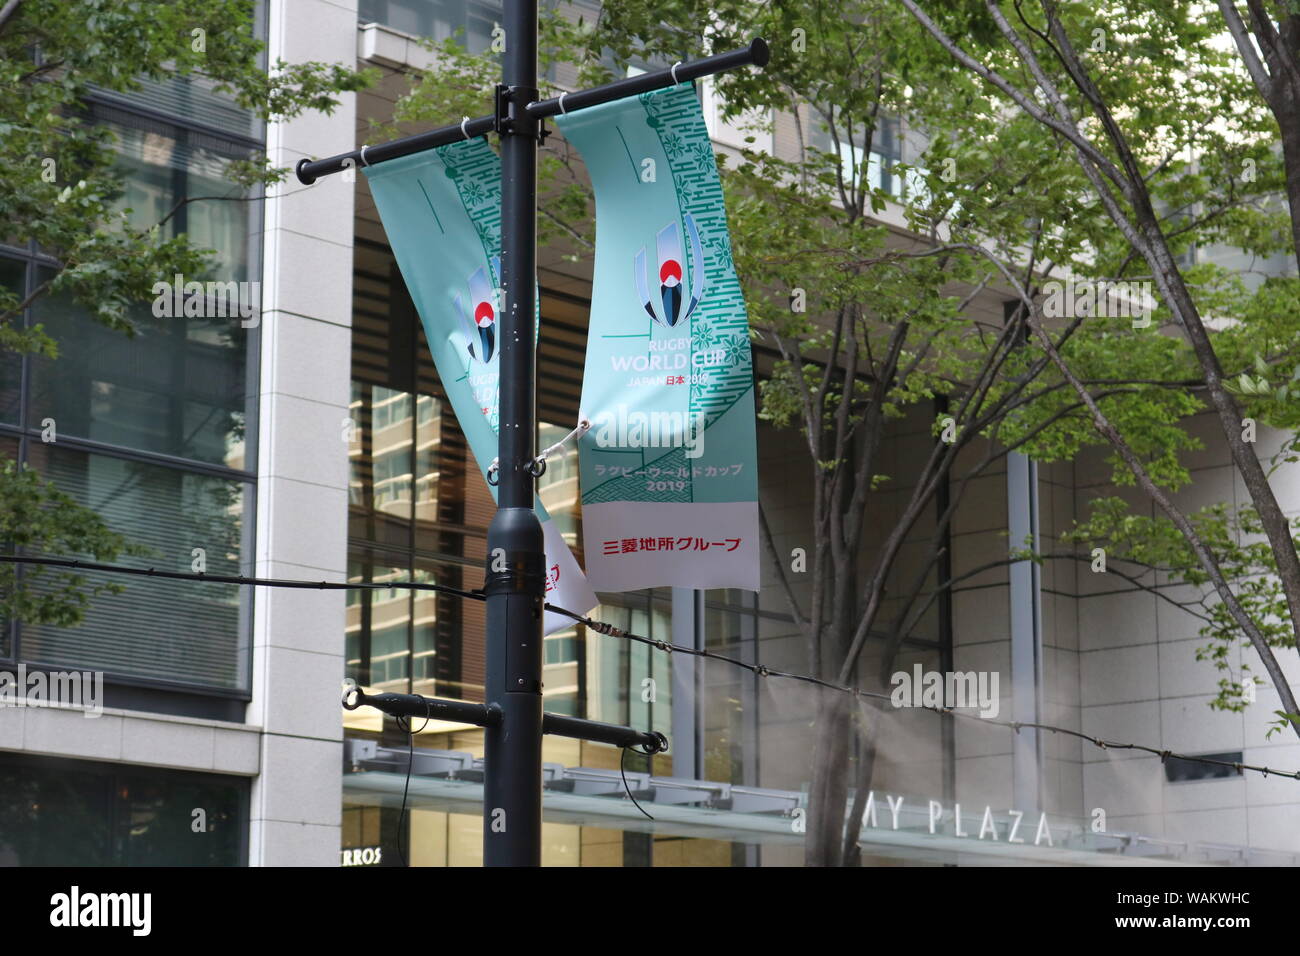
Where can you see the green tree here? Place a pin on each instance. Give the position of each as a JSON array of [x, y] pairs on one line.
[[1177, 140], [886, 326], [992, 207], [877, 330]]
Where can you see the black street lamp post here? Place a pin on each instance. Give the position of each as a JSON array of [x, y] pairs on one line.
[[515, 578]]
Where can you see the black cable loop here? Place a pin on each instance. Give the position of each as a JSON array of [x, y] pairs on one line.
[[404, 723], [622, 772]]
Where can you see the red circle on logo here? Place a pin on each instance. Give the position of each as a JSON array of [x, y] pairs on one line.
[[483, 315], [671, 269]]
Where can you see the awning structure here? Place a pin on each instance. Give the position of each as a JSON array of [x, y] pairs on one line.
[[452, 781]]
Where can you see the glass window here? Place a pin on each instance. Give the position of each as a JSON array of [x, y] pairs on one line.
[[617, 691], [1183, 770], [378, 627], [428, 458], [169, 630], [175, 402], [381, 456], [178, 387], [155, 814], [419, 505], [442, 665], [409, 641], [886, 150], [437, 19], [55, 812], [12, 279], [193, 97], [176, 177], [78, 813], [8, 453], [722, 687]]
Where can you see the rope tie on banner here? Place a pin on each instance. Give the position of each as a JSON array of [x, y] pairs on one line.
[[538, 466], [673, 72], [463, 131], [563, 111], [364, 161]]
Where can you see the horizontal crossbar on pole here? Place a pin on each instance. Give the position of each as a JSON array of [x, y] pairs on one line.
[[486, 715], [756, 54], [420, 707], [576, 727]]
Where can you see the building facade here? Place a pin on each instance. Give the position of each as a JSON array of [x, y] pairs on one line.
[[317, 444]]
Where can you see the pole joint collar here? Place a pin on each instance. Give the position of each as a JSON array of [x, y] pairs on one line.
[[515, 572], [510, 112]]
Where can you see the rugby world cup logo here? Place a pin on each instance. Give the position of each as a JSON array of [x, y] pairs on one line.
[[478, 320], [670, 307]]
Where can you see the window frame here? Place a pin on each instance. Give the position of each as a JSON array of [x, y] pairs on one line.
[[132, 690]]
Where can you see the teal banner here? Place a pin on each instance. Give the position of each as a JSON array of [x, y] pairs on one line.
[[442, 212], [669, 466]]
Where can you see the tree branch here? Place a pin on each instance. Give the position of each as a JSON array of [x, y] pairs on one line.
[[7, 12]]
